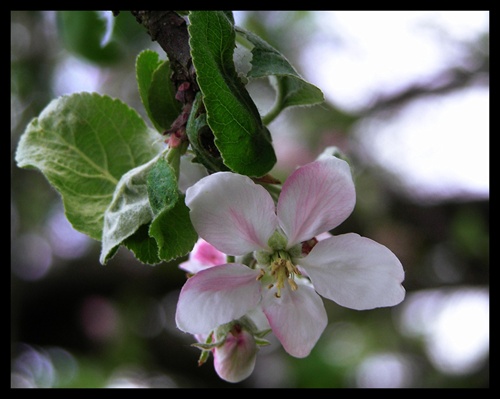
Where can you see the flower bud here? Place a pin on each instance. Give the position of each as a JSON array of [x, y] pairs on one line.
[[234, 360]]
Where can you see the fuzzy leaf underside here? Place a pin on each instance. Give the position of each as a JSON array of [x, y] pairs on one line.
[[83, 144]]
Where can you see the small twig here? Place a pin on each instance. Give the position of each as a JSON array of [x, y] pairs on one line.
[[169, 29]]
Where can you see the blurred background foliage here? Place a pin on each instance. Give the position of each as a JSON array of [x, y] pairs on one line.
[[76, 323]]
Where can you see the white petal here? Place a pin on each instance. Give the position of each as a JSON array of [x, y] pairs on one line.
[[355, 272], [232, 213], [216, 296], [317, 197], [297, 318]]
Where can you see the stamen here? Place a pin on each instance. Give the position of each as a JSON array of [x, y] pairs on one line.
[[283, 270], [262, 273]]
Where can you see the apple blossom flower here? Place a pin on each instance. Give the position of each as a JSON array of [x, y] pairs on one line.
[[238, 216], [235, 344]]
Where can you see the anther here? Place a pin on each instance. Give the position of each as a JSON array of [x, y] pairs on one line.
[[262, 272]]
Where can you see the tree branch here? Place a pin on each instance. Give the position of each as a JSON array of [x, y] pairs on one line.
[[440, 83], [169, 29]]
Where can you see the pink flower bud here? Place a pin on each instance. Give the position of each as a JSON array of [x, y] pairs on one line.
[[235, 359]]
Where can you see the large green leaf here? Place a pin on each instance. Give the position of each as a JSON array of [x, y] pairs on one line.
[[241, 137], [83, 144]]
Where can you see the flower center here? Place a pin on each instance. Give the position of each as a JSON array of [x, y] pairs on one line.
[[283, 270], [279, 263]]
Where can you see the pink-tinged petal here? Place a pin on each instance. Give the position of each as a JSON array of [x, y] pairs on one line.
[[231, 212], [235, 359], [297, 318], [355, 272], [202, 257], [315, 198], [216, 296]]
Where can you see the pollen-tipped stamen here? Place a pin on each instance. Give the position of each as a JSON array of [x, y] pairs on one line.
[[282, 269], [262, 273]]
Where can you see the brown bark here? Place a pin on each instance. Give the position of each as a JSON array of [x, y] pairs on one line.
[[169, 29]]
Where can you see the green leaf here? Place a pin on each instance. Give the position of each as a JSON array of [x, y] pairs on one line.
[[145, 65], [143, 246], [202, 138], [145, 192], [164, 107], [156, 89], [128, 210], [162, 186], [148, 214], [84, 33], [292, 89], [229, 15], [173, 231], [84, 144], [242, 139]]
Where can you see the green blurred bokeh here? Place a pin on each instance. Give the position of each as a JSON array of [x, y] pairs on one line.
[[76, 323]]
